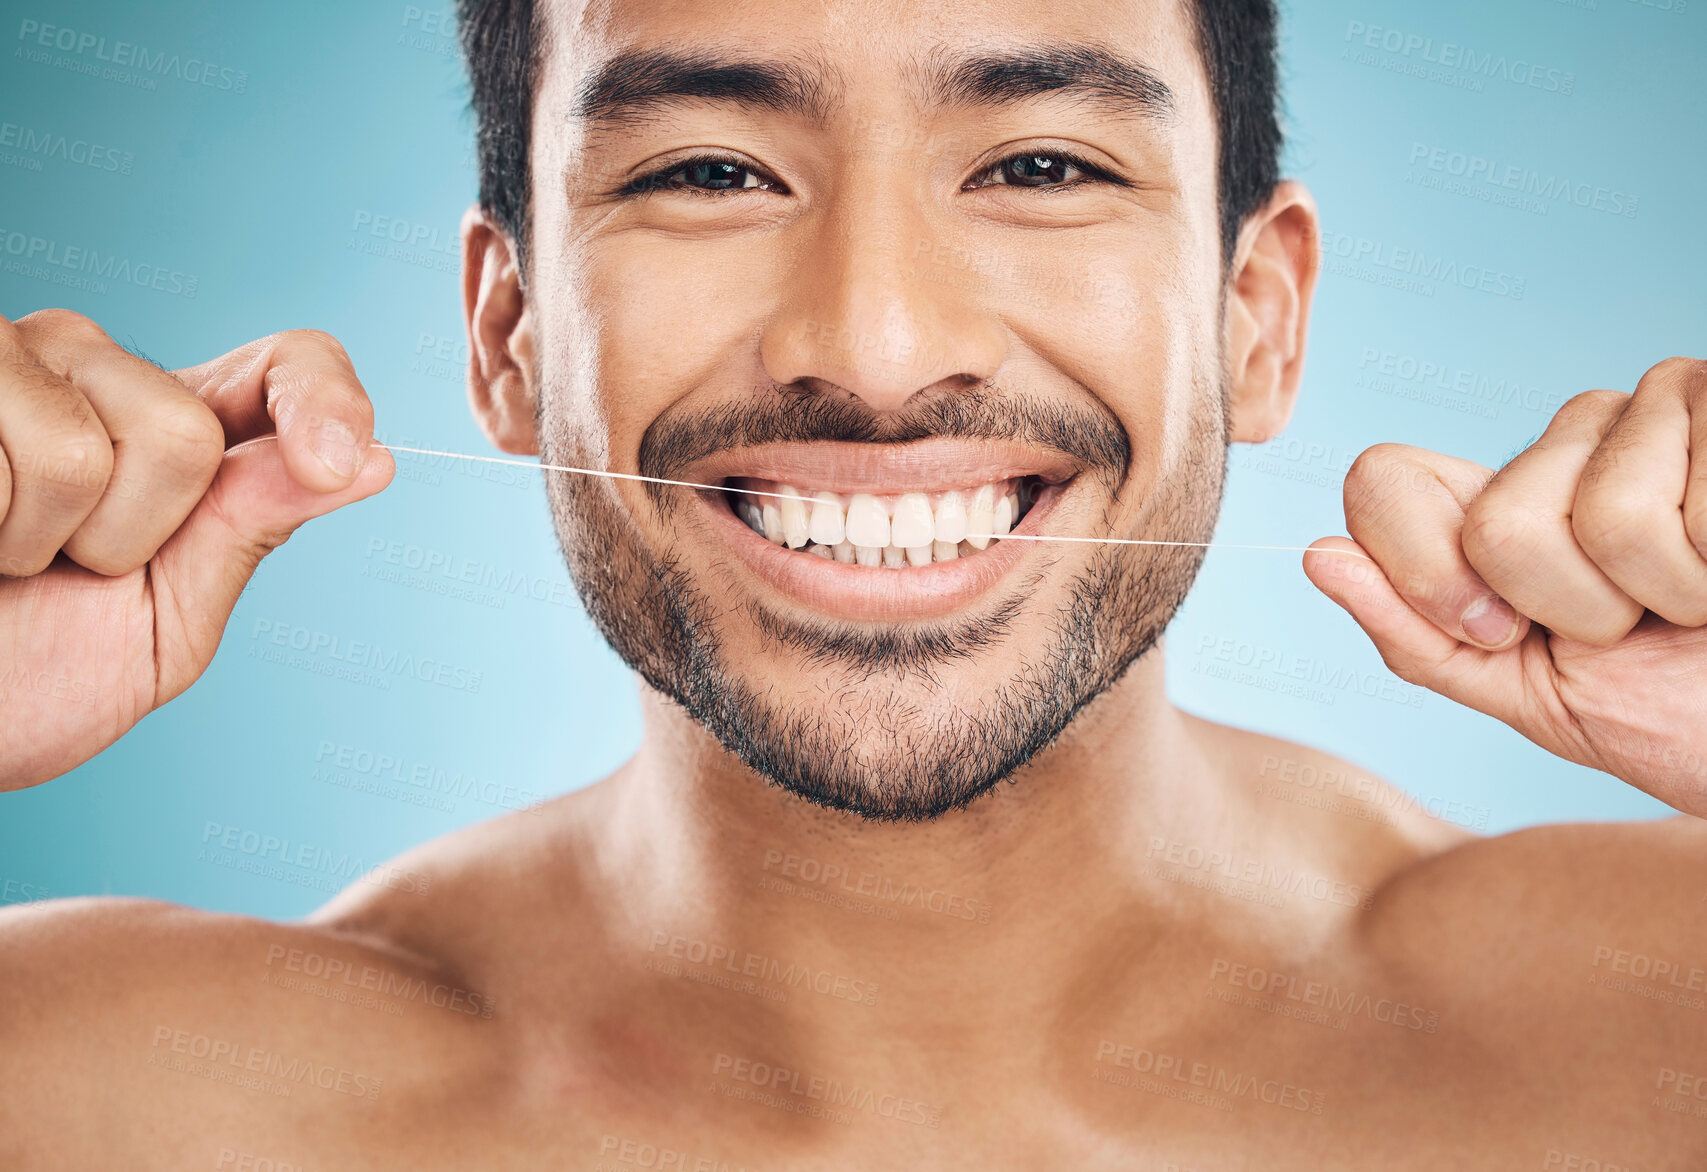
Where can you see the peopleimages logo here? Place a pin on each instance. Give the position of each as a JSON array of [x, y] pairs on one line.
[[1510, 177], [826, 1089], [795, 974], [127, 60], [370, 663], [83, 266], [273, 851], [34, 144], [1210, 1078], [1372, 260], [256, 1060], [1421, 50]]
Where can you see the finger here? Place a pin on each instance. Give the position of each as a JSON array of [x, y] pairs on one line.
[[57, 454], [1405, 507], [166, 442], [1518, 535], [301, 386], [254, 506], [1414, 648], [1628, 511], [1695, 494]]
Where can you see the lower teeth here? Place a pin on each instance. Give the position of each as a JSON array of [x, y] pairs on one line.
[[891, 556]]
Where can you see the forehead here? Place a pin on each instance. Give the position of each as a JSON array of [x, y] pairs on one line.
[[870, 50]]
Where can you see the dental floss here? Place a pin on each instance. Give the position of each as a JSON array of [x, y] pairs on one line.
[[784, 496]]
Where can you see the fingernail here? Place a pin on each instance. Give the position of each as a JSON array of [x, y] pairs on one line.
[[1489, 620], [336, 446]]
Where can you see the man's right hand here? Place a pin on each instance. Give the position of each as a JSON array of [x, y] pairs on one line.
[[134, 508]]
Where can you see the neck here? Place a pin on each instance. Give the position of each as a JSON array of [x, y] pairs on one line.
[[1010, 886]]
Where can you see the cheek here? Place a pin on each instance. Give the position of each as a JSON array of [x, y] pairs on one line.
[[1136, 329], [663, 319]]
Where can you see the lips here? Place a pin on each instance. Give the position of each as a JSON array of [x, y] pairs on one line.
[[882, 531]]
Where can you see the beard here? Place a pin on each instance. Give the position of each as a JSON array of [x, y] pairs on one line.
[[879, 734]]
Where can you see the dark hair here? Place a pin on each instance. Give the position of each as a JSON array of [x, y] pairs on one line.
[[502, 42]]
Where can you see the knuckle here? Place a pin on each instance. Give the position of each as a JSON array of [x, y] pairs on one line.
[[62, 324], [191, 438], [74, 463], [60, 403], [1374, 471], [1498, 534], [319, 339], [1591, 405], [1672, 372], [1611, 523]]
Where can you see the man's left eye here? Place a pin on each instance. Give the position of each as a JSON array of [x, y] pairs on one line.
[[1032, 171]]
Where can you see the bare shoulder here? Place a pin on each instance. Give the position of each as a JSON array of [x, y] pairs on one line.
[[1571, 947], [120, 1013], [1579, 889], [481, 899]]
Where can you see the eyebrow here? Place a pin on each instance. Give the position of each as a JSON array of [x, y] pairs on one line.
[[1088, 72], [636, 82], [633, 83]]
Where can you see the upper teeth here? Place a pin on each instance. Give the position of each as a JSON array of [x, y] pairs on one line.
[[912, 528]]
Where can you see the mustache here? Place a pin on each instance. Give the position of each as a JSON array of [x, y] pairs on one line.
[[801, 413]]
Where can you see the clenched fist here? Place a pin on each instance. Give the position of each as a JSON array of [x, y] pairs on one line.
[[1565, 594], [134, 508]]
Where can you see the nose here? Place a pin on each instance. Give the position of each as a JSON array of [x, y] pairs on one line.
[[867, 310]]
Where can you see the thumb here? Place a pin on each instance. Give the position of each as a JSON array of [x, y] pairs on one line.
[[252, 508], [1413, 647]]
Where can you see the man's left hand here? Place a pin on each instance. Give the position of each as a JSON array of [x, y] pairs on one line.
[[1565, 594]]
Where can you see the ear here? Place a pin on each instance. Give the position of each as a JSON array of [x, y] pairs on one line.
[[1272, 280], [500, 336]]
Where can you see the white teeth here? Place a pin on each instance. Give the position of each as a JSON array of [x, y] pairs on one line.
[[922, 528], [827, 526], [951, 518], [981, 516], [868, 522], [793, 507], [913, 524]]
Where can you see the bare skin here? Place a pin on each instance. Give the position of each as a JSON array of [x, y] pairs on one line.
[[1146, 952]]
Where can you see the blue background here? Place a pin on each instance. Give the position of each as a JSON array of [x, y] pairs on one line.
[[354, 116]]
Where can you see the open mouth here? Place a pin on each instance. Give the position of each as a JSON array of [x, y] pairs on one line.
[[884, 532], [896, 531]]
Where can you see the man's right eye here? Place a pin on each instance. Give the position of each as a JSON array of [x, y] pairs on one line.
[[710, 176]]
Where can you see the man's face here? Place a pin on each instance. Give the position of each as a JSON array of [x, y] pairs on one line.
[[881, 250]]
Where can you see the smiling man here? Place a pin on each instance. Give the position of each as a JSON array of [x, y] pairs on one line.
[[918, 306]]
